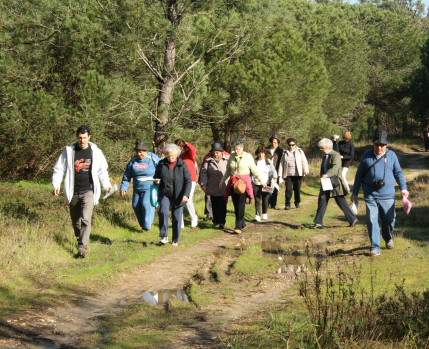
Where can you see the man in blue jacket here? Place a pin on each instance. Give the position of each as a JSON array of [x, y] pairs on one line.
[[377, 172]]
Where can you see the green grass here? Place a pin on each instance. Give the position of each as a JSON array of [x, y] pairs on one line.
[[38, 267]]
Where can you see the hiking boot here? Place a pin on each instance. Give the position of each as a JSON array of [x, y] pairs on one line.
[[390, 245], [374, 253], [164, 240], [81, 253], [264, 216]]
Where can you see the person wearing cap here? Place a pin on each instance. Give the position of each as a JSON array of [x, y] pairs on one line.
[[140, 168], [378, 170], [275, 154], [293, 166], [212, 171], [84, 167], [208, 210]]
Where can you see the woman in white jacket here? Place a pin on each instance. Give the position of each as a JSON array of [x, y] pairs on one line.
[[293, 166]]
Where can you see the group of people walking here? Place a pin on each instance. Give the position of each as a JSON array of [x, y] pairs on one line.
[[239, 175]]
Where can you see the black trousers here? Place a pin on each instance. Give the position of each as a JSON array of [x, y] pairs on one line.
[[239, 201], [323, 204], [219, 209], [273, 198], [260, 196], [293, 183]]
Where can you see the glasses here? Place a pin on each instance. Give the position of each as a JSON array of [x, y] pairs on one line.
[[292, 144]]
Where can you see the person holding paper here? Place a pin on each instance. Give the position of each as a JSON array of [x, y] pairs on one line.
[[141, 168], [267, 173], [331, 170], [293, 166], [84, 167], [378, 170]]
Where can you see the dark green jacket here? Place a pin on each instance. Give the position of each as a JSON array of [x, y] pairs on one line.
[[333, 167]]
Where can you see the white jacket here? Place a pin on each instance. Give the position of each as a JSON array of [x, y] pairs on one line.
[[300, 161], [65, 165]]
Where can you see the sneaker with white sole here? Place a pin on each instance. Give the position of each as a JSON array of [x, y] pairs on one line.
[[390, 245], [264, 216], [257, 218], [164, 240], [374, 253], [175, 243]]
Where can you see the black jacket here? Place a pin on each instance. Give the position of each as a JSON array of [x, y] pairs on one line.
[[276, 157], [347, 150], [182, 180]]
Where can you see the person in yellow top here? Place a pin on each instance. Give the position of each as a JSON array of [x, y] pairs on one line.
[[240, 165]]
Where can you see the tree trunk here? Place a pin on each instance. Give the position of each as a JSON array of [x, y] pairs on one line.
[[166, 84]]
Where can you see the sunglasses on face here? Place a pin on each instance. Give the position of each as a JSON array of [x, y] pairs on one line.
[[292, 144]]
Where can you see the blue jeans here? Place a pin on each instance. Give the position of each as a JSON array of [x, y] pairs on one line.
[[176, 212], [144, 211], [385, 209]]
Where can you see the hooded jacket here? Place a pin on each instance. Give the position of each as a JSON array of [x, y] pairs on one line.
[[65, 166]]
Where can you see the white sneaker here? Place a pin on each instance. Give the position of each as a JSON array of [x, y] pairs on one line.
[[194, 222], [164, 240], [264, 216], [257, 218], [175, 244]]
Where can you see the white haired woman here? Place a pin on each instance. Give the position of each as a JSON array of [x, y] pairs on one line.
[[239, 166], [175, 184], [331, 168]]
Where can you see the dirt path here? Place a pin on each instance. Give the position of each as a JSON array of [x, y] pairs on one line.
[[63, 326]]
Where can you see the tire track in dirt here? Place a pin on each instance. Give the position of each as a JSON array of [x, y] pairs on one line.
[[62, 327]]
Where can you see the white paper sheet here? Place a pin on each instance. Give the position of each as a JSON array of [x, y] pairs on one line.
[[326, 184], [145, 179], [110, 192], [354, 207]]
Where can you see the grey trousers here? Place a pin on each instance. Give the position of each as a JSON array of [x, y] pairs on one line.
[[81, 206]]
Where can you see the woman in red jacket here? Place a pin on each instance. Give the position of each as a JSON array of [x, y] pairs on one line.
[[188, 155]]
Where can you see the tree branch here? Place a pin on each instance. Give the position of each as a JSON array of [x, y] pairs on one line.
[[149, 65]]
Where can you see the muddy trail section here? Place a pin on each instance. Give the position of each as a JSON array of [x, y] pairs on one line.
[[65, 326]]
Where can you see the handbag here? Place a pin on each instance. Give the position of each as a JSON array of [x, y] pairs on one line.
[[154, 195], [335, 181], [239, 186]]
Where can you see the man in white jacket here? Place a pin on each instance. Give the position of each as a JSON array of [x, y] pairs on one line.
[[84, 167]]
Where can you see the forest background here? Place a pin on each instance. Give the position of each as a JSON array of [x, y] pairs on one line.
[[204, 70]]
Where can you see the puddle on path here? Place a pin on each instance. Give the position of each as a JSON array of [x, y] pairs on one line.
[[292, 262], [163, 296]]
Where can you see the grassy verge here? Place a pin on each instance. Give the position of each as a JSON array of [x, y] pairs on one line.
[[38, 268]]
